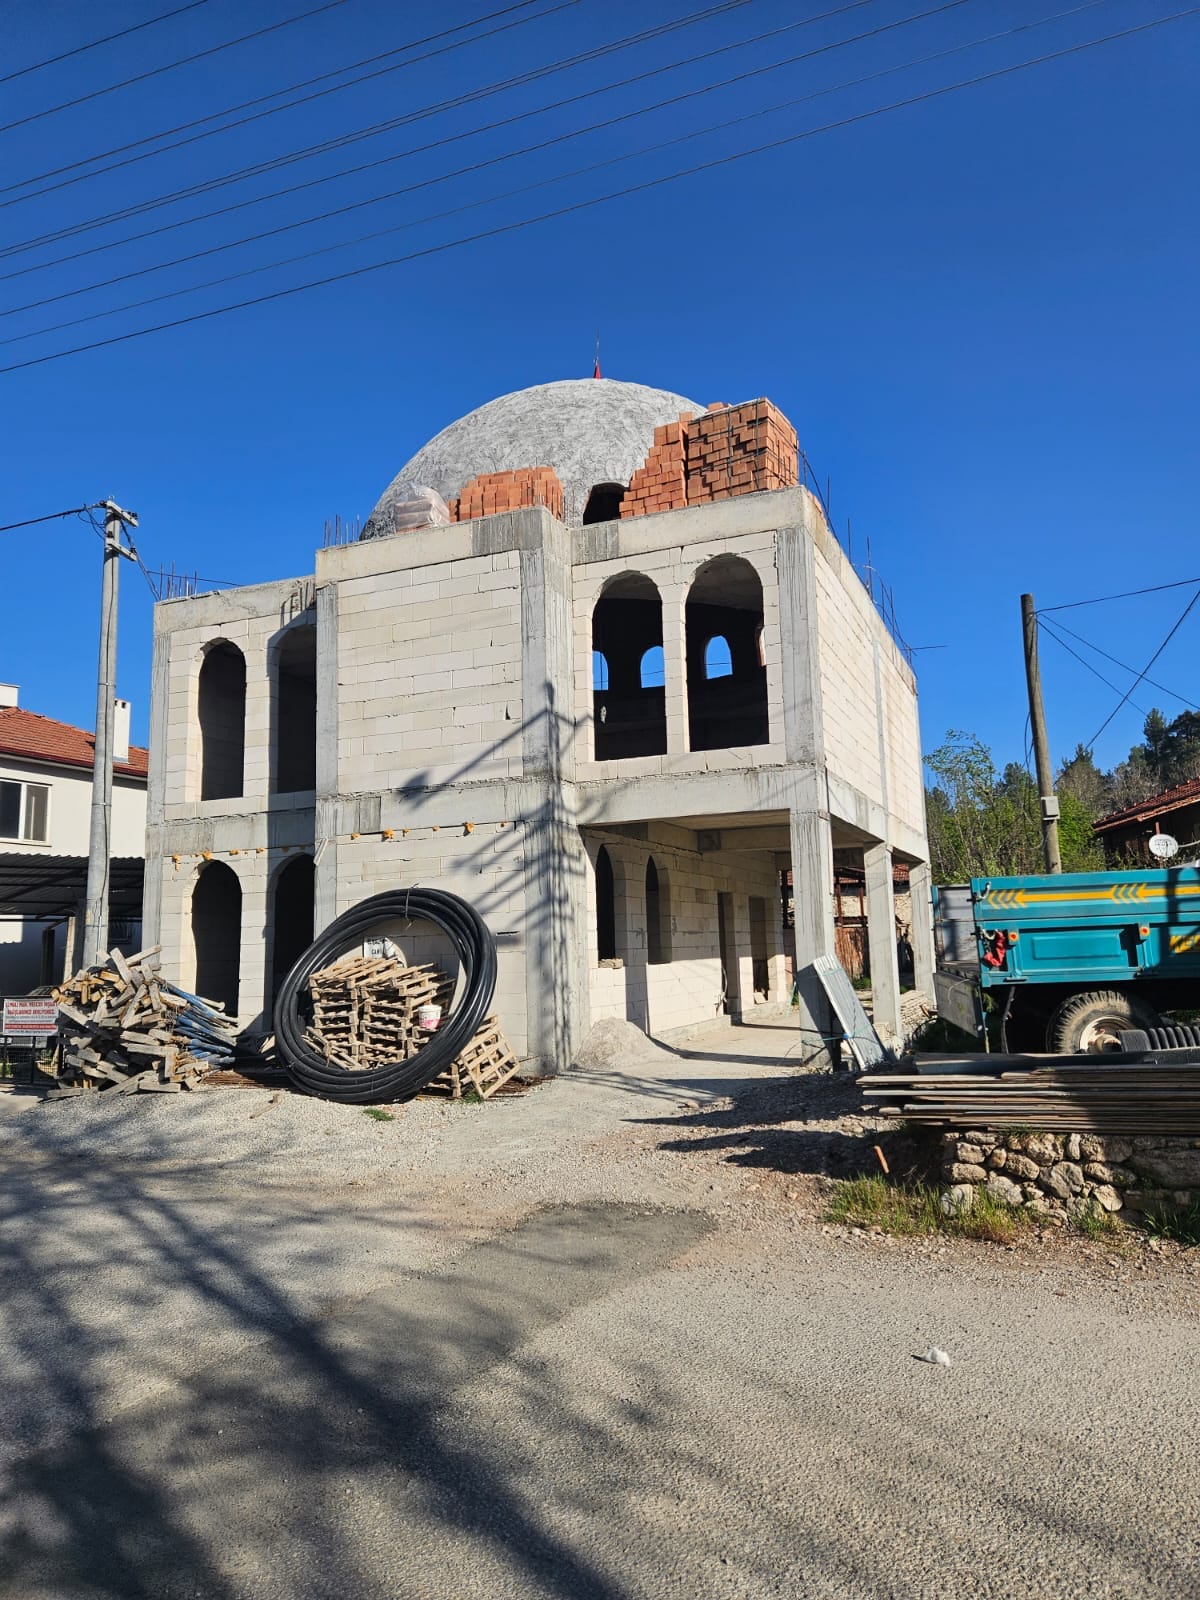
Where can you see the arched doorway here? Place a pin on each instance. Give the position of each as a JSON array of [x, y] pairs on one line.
[[291, 926], [294, 730], [221, 708], [630, 711], [217, 934], [726, 678]]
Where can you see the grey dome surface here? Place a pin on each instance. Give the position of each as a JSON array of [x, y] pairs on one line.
[[590, 430]]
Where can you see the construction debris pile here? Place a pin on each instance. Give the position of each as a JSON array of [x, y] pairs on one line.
[[1077, 1094], [123, 1027], [366, 1011]]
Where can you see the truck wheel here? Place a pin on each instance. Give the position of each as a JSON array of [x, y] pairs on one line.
[[1092, 1023]]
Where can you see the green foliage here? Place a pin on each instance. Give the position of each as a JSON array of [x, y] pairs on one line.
[[915, 1209], [1180, 1223], [377, 1114]]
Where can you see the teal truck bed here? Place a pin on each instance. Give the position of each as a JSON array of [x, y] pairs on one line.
[[1073, 958]]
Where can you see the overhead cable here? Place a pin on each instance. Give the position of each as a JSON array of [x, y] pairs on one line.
[[1087, 665], [503, 229], [505, 156], [1174, 630], [275, 94], [167, 66], [1124, 665], [51, 516], [1125, 594], [436, 108], [93, 44]]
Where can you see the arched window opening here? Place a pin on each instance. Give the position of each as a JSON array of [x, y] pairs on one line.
[[654, 668], [217, 934], [294, 741], [291, 927], [599, 671], [726, 678], [658, 917], [629, 713], [718, 662], [604, 503], [606, 907], [221, 707]]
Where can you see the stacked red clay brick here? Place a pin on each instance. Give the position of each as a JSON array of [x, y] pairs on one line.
[[662, 483], [738, 450], [493, 492]]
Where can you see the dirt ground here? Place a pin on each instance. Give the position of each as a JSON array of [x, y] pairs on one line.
[[598, 1340]]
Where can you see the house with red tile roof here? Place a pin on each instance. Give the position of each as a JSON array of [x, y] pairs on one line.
[[45, 812], [1126, 834]]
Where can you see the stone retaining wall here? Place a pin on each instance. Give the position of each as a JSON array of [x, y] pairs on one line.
[[1058, 1174]]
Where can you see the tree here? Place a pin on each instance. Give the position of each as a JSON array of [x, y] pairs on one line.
[[1082, 778], [986, 826]]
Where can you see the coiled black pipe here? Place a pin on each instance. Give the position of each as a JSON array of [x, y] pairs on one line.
[[476, 950]]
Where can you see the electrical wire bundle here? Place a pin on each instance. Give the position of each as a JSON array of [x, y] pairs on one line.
[[395, 1080]]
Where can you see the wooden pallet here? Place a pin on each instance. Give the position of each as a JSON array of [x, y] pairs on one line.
[[485, 1064]]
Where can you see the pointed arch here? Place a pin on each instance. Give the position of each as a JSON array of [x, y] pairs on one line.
[[606, 907]]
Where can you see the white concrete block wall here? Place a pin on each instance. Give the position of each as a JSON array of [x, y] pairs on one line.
[[846, 625], [429, 674]]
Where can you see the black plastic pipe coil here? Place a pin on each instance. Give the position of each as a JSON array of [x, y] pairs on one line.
[[476, 950]]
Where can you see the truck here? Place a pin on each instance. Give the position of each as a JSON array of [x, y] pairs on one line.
[[1070, 961]]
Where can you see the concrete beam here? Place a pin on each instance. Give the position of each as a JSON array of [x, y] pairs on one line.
[[812, 902]]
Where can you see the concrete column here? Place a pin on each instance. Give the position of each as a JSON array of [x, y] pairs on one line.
[[325, 852], [812, 899], [803, 735], [674, 601], [920, 886], [556, 868], [881, 942]]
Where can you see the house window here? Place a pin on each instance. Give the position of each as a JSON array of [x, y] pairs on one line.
[[25, 812]]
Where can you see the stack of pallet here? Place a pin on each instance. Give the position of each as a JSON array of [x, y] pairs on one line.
[[365, 1014], [660, 484], [122, 1026], [365, 1009], [739, 450]]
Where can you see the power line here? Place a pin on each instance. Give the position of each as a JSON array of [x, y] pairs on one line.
[[584, 205], [433, 144], [1174, 630], [1128, 594], [51, 516], [1108, 684], [93, 44], [1124, 666], [510, 155], [229, 111], [169, 66], [372, 131]]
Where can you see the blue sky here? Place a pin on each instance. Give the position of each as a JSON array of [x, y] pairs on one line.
[[980, 311]]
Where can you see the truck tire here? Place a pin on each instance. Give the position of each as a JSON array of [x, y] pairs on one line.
[[1091, 1023]]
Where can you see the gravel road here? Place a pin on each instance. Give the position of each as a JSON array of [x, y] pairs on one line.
[[591, 1342]]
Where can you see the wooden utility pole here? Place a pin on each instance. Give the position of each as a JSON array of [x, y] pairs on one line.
[[1041, 744], [95, 926]]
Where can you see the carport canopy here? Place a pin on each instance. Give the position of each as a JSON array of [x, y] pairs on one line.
[[46, 887]]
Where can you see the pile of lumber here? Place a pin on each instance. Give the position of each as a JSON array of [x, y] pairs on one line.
[[1077, 1094], [365, 1013], [123, 1027]]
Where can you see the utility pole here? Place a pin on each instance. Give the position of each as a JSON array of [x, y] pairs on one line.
[[1041, 744], [95, 926]]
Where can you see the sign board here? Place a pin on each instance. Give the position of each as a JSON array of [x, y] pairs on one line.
[[25, 1019]]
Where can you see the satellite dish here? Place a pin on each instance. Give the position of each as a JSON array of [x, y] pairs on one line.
[[1163, 846]]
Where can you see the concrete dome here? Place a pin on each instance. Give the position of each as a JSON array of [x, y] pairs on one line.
[[590, 430]]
